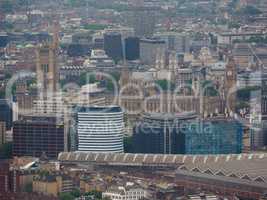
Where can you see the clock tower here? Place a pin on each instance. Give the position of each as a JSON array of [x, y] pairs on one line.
[[230, 84]]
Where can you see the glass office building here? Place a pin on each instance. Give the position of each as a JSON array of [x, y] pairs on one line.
[[215, 136]]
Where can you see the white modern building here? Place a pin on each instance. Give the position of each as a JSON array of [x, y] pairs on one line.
[[98, 59], [130, 192], [100, 129]]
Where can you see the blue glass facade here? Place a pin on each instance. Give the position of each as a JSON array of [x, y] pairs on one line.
[[215, 137]]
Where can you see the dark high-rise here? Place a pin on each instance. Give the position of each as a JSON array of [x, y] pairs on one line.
[[6, 113], [38, 135], [3, 40], [4, 177], [113, 45], [132, 48], [161, 133]]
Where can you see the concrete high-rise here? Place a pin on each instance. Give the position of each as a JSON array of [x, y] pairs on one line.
[[151, 49]]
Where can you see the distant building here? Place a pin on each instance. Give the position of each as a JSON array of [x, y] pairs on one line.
[[2, 133], [143, 19], [178, 42], [243, 55], [38, 135], [230, 38], [4, 177], [130, 192], [113, 45], [3, 40], [132, 48], [100, 129], [52, 185], [162, 133], [150, 48], [99, 59], [6, 114]]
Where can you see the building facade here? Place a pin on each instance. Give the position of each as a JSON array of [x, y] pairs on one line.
[[132, 48], [151, 49], [100, 129], [6, 113], [113, 45], [215, 136], [126, 193], [162, 133], [38, 135]]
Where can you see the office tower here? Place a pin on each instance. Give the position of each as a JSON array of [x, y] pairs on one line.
[[132, 48], [162, 133], [150, 49], [258, 115], [2, 133], [6, 114], [3, 40], [98, 43], [113, 45], [217, 135], [38, 135], [100, 129], [46, 66]]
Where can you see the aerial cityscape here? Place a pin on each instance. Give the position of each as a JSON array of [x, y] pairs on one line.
[[133, 100]]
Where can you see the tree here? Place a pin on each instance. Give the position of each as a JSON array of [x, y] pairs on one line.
[[165, 84], [95, 193], [128, 144], [66, 196], [85, 78], [6, 151], [76, 193]]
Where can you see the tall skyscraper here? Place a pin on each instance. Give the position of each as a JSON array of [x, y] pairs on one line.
[[46, 66], [132, 48], [6, 114], [100, 129], [113, 45], [38, 135]]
